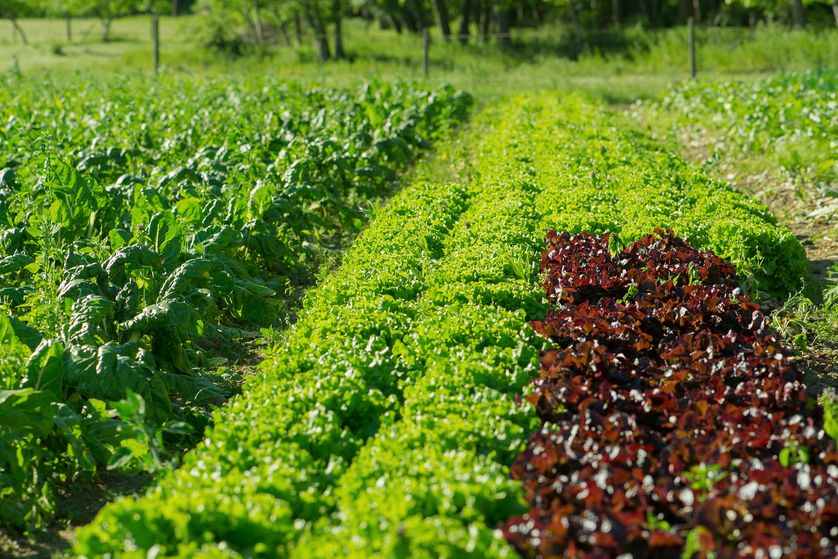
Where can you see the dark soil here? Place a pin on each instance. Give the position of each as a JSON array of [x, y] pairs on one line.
[[78, 503], [76, 506]]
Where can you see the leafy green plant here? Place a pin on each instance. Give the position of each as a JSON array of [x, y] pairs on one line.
[[704, 476], [805, 323], [125, 248], [793, 453], [830, 295], [656, 522], [384, 422], [829, 402], [788, 119], [696, 546]]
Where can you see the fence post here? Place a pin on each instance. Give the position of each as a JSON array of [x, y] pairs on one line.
[[693, 68], [155, 37], [426, 47]]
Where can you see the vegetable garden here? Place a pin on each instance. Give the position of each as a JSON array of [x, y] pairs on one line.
[[457, 386], [790, 118], [136, 242]]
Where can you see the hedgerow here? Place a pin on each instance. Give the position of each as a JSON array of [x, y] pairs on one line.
[[387, 423]]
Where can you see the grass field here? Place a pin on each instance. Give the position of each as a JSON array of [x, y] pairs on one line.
[[618, 66]]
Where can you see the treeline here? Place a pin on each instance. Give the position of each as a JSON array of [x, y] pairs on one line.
[[233, 25], [234, 22]]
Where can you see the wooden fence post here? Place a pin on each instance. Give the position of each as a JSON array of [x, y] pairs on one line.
[[155, 37], [426, 48]]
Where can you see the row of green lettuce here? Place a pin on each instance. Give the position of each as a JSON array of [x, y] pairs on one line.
[[143, 237], [386, 423]]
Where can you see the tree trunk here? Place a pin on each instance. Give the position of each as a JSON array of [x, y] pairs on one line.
[[835, 10], [574, 17], [396, 23], [615, 13], [502, 17], [465, 13], [441, 9], [485, 21], [258, 29], [19, 30], [683, 11], [797, 15], [298, 30], [697, 11], [409, 19], [174, 8], [536, 15], [337, 7], [655, 13], [752, 18], [392, 16], [416, 12], [106, 29], [644, 9], [315, 20], [68, 23], [283, 33]]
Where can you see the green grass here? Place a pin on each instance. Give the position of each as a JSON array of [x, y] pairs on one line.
[[130, 40], [618, 66], [786, 122]]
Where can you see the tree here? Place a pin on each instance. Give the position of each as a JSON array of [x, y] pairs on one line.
[[441, 10], [797, 15], [504, 26], [484, 20], [68, 9], [109, 10], [257, 17], [833, 3], [247, 22], [337, 15], [314, 16], [465, 16], [158, 7], [14, 9]]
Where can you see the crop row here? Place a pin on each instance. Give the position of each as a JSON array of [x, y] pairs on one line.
[[130, 249], [386, 424], [791, 119], [674, 420]]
